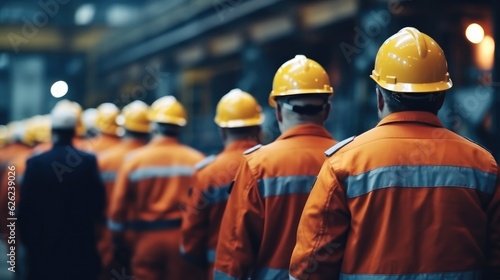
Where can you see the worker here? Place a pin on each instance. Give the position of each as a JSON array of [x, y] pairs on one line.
[[257, 234], [62, 199], [239, 117], [79, 140], [150, 191], [136, 124], [16, 146], [107, 127], [37, 130], [408, 199]]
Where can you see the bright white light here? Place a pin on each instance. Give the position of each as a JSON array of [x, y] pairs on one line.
[[84, 14], [485, 53], [119, 15], [474, 33], [59, 89]]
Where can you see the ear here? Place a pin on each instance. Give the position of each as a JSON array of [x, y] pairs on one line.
[[380, 100], [327, 111], [223, 134], [278, 113]]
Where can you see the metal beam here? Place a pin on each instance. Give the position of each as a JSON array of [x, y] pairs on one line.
[[184, 33]]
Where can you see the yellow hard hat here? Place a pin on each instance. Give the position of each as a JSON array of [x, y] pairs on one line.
[[300, 75], [134, 117], [106, 118], [77, 110], [238, 109], [4, 135], [30, 128], [43, 130], [412, 62], [167, 110]]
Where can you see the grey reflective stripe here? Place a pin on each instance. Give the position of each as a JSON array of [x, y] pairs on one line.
[[108, 176], [271, 274], [290, 277], [114, 226], [219, 275], [285, 185], [420, 176], [160, 172], [464, 275], [216, 195], [211, 256]]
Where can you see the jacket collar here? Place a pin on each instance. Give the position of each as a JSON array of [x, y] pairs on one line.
[[305, 129], [162, 141], [240, 145], [412, 116]]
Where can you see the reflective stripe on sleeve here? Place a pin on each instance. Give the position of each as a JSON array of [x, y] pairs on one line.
[[219, 275], [115, 226], [108, 176], [160, 172], [285, 185], [426, 176], [216, 195]]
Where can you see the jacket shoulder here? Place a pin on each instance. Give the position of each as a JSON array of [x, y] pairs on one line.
[[253, 149], [206, 161], [335, 148], [478, 144]]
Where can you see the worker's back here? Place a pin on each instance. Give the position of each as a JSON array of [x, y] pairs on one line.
[[415, 199]]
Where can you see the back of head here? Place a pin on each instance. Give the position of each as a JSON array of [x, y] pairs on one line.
[[167, 115], [301, 91], [134, 119], [106, 119], [78, 111], [239, 115], [64, 121], [411, 72]]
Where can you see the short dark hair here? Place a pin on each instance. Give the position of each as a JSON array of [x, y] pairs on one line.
[[313, 109], [242, 132], [427, 102], [137, 135], [169, 130]]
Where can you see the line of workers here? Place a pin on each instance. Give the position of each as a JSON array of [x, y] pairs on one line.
[[407, 200]]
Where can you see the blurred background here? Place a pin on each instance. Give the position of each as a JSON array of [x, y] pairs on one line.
[[197, 50]]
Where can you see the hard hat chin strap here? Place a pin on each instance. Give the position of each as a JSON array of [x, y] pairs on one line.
[[309, 110]]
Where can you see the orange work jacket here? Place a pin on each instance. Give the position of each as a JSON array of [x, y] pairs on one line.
[[257, 233], [408, 199], [101, 142], [152, 186], [200, 227]]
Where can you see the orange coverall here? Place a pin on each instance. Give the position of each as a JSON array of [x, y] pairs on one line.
[[102, 142], [110, 161], [150, 191], [408, 199], [16, 172], [200, 227], [257, 233]]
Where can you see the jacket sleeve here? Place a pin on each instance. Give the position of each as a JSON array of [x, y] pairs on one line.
[[119, 200], [493, 248], [98, 193], [322, 230], [30, 223], [195, 224], [241, 228]]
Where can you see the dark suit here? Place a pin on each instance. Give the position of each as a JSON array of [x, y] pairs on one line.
[[62, 201]]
